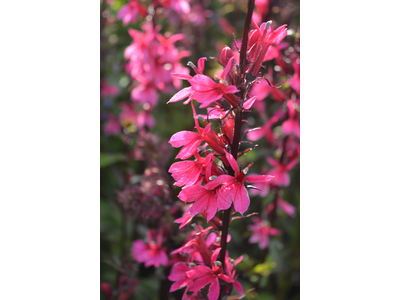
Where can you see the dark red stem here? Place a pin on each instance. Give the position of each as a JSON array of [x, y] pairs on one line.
[[238, 125]]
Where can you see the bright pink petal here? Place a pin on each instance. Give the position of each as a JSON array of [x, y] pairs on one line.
[[211, 208], [192, 193], [241, 201], [180, 283], [215, 254], [200, 63], [188, 150], [291, 165], [230, 89], [259, 178], [201, 282], [249, 102], [222, 179], [182, 76], [182, 94], [213, 292], [264, 242], [227, 68], [238, 287], [182, 138], [272, 162], [232, 162], [198, 271], [274, 231], [287, 208], [202, 83], [207, 98]]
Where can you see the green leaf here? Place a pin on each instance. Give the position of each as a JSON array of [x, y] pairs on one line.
[[109, 159]]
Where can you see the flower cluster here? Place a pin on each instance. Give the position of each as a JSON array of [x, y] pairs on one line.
[[151, 58], [203, 268], [213, 181]]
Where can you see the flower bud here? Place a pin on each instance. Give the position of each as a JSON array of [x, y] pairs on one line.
[[217, 263], [226, 55]]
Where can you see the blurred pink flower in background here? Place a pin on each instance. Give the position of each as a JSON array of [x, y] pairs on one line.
[[281, 171], [289, 209], [150, 253], [261, 232]]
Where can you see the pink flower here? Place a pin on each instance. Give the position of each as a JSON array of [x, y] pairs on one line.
[[128, 13], [112, 126], [185, 219], [259, 41], [145, 94], [205, 200], [191, 140], [203, 275], [179, 275], [108, 89], [266, 129], [150, 253], [207, 91], [285, 206], [291, 125], [189, 172], [281, 171], [233, 189], [187, 92], [261, 232]]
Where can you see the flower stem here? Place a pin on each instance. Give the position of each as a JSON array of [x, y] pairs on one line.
[[238, 124]]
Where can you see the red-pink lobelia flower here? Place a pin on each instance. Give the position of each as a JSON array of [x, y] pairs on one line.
[[150, 253], [261, 232], [291, 125], [281, 171], [289, 209], [233, 189], [204, 275]]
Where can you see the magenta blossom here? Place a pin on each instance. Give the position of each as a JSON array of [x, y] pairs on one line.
[[285, 206], [179, 275], [112, 126], [189, 172], [191, 140], [187, 92], [261, 232], [108, 89], [204, 275], [233, 189], [150, 253], [205, 200], [128, 13], [281, 171], [291, 125]]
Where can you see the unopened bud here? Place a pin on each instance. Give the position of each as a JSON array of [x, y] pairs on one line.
[[217, 263], [226, 55], [200, 118], [190, 64], [224, 82]]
